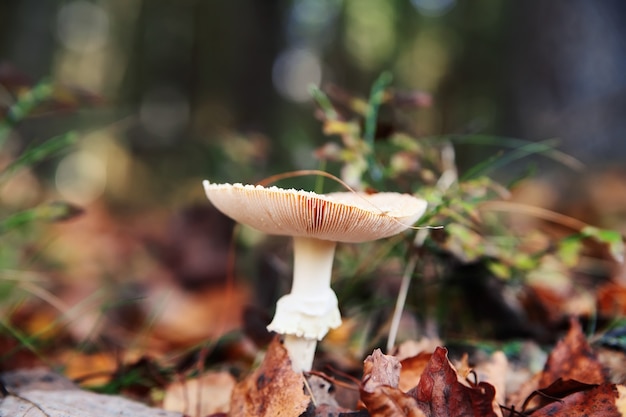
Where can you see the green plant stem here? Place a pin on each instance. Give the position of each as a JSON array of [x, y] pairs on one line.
[[376, 98]]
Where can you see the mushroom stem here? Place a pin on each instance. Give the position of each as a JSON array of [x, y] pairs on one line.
[[301, 351], [312, 265], [307, 313]]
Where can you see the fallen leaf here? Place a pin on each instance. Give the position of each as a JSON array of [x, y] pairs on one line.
[[412, 369], [573, 358], [611, 299], [82, 366], [620, 403], [379, 388], [380, 369], [274, 389], [440, 393], [598, 401], [556, 391], [495, 371], [209, 394]]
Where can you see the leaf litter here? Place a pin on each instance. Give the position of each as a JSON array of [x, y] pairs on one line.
[[573, 382]]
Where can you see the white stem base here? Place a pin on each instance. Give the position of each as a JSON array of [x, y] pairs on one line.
[[301, 352]]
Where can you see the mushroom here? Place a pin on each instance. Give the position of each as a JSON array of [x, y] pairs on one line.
[[316, 222]]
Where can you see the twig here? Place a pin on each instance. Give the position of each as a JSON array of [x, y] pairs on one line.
[[400, 301]]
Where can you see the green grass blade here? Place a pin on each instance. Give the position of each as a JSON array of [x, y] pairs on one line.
[[24, 105], [376, 98], [40, 152], [545, 148]]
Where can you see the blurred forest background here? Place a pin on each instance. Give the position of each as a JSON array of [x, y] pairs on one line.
[[163, 94], [180, 86]]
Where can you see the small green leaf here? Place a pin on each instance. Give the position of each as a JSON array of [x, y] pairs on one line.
[[40, 152], [612, 238], [24, 105], [324, 102], [568, 250], [376, 98], [499, 269]]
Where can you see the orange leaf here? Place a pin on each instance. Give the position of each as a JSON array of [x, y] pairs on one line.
[[412, 370], [274, 389]]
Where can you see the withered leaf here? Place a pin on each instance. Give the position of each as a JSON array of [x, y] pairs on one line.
[[206, 395], [274, 389], [386, 401], [380, 369], [412, 369], [599, 401], [573, 358], [439, 392], [379, 388], [557, 390]]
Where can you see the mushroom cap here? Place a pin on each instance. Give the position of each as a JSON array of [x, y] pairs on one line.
[[339, 217]]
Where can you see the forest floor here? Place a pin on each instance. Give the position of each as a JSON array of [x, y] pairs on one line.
[[166, 340]]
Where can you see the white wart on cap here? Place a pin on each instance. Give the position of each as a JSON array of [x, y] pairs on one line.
[[339, 217]]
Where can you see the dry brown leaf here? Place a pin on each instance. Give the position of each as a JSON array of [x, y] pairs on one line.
[[380, 369], [386, 401], [80, 365], [440, 394], [495, 372], [274, 389], [620, 403], [611, 299], [599, 401], [412, 369], [202, 396], [555, 392], [573, 358], [379, 388]]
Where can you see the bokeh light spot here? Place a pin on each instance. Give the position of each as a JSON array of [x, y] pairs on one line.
[[82, 26], [433, 7], [164, 112], [81, 177], [294, 70]]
